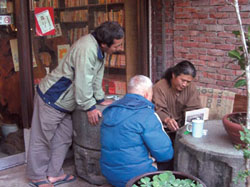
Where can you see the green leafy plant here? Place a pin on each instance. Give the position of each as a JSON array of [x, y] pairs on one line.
[[244, 137], [243, 58], [239, 57], [166, 179]]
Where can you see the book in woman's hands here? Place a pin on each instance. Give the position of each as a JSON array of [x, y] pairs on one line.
[[196, 114]]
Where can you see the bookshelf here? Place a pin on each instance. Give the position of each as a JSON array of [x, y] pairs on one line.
[[79, 17]]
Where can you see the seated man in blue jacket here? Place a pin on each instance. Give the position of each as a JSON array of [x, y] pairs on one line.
[[131, 134]]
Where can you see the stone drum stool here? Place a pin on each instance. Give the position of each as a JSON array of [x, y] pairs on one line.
[[212, 158], [86, 145]]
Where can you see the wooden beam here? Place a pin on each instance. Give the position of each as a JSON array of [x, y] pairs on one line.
[[25, 60]]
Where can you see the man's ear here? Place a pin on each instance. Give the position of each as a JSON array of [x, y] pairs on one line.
[[146, 95], [103, 45], [173, 75]]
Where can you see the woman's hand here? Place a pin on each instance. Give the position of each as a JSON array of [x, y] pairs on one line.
[[171, 124]]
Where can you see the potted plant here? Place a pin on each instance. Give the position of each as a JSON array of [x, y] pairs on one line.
[[241, 129], [165, 178]]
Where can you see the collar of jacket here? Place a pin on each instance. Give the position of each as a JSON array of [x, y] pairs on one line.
[[100, 54]]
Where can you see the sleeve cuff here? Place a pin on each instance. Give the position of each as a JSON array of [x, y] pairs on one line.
[[92, 108], [99, 101]]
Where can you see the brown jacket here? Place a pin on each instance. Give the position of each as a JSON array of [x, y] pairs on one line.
[[170, 103]]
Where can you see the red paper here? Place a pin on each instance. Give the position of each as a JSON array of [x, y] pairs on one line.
[[45, 24]]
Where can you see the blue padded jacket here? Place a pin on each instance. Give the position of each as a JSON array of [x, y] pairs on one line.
[[131, 134]]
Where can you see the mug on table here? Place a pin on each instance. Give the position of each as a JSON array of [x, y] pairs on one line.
[[196, 127]]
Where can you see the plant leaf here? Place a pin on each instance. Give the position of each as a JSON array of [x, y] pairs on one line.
[[234, 54], [236, 33], [240, 83], [248, 33]]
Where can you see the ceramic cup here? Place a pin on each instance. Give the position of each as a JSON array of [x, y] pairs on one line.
[[196, 127]]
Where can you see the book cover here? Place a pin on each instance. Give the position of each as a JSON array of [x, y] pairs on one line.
[[202, 113]]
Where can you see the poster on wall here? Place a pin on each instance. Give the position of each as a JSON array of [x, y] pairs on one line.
[[58, 31], [14, 52], [44, 18], [62, 50]]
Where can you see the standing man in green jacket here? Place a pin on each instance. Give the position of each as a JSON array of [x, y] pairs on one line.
[[77, 80]]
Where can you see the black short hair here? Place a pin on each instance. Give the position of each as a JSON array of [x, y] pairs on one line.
[[107, 32], [184, 67]]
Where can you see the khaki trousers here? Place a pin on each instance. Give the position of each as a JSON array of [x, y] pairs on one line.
[[50, 139]]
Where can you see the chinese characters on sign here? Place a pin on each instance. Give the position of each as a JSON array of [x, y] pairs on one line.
[[44, 21]]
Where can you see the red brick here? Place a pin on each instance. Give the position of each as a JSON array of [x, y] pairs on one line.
[[225, 47], [190, 44], [246, 21], [231, 28], [226, 71], [215, 27], [225, 34], [198, 39], [183, 21], [190, 56], [241, 2], [244, 14], [217, 2], [227, 8], [239, 72], [233, 66], [219, 15], [199, 62], [181, 50], [215, 64], [209, 34], [216, 40], [183, 4], [215, 52], [207, 58], [200, 3], [181, 27], [199, 16], [207, 69], [230, 78], [182, 15], [190, 10], [197, 27], [207, 80], [194, 33], [200, 51], [230, 21], [225, 83], [207, 45], [208, 21]]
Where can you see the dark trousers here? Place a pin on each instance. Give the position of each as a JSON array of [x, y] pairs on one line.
[[169, 165]]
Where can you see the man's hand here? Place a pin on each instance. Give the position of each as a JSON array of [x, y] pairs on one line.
[[171, 124], [106, 102], [93, 116]]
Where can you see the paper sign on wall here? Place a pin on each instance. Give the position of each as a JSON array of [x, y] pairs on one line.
[[45, 24], [14, 52], [62, 50], [5, 20]]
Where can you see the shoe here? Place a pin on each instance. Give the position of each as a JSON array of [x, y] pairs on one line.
[[65, 180], [37, 184]]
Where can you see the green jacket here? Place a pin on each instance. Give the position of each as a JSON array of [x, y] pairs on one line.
[[77, 80]]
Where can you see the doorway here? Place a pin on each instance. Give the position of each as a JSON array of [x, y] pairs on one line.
[[12, 149]]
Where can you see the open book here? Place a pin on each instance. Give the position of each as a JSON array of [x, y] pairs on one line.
[[196, 114]]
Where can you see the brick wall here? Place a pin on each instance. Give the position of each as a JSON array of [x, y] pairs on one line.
[[199, 31]]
